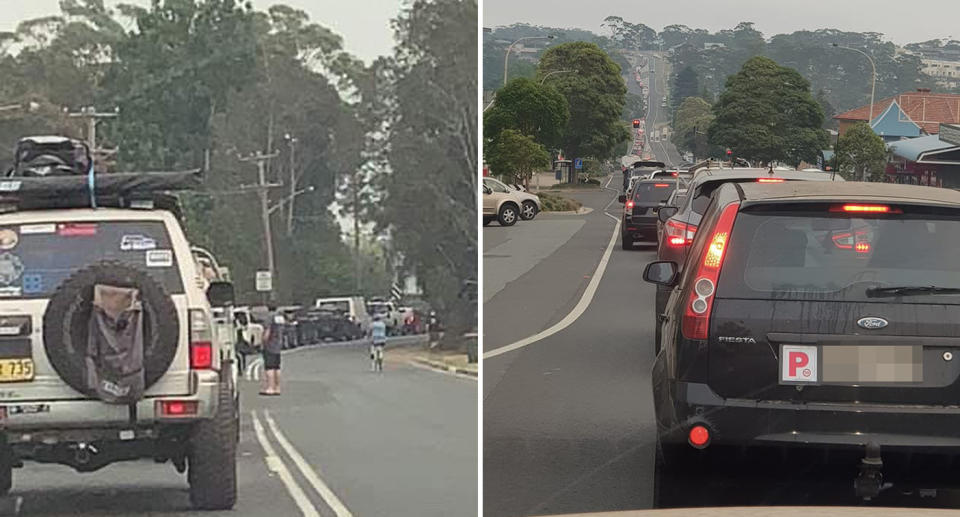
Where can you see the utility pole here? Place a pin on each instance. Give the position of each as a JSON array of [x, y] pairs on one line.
[[292, 142], [92, 116], [262, 187], [356, 230]]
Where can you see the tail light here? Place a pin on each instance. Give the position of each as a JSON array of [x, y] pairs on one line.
[[678, 233], [866, 209], [628, 206], [770, 180], [176, 408], [696, 317], [201, 340]]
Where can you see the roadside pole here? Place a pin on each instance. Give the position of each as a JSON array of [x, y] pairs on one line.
[[262, 188], [92, 116]]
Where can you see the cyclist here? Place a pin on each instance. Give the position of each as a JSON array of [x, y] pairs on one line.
[[378, 335]]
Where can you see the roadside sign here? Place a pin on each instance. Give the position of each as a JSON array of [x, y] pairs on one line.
[[578, 163], [264, 281]]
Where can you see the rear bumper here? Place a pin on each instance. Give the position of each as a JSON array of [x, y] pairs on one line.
[[72, 414], [642, 230], [743, 422]]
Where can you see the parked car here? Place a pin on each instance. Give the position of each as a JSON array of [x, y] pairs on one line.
[[388, 313], [530, 204], [333, 325], [813, 315], [680, 223], [639, 222], [500, 206], [351, 307]]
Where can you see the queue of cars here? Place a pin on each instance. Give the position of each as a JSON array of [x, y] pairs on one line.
[[508, 204], [795, 310]]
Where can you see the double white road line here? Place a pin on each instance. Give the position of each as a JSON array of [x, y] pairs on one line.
[[276, 465]]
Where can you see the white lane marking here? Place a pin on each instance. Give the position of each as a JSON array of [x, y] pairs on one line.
[[257, 370], [276, 465], [328, 496], [577, 311]]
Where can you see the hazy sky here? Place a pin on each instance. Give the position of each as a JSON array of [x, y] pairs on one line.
[[897, 20], [364, 24]]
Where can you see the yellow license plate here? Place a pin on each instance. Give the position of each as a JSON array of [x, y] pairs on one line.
[[15, 370]]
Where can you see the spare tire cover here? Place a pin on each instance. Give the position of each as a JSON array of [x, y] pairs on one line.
[[68, 314]]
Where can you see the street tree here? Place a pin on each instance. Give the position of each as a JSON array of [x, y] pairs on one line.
[[766, 113], [862, 154], [515, 156], [539, 111], [690, 125], [686, 84], [596, 95]]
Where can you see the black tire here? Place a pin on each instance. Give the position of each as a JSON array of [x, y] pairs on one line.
[[487, 220], [659, 335], [508, 214], [212, 458], [68, 314], [626, 243], [528, 211]]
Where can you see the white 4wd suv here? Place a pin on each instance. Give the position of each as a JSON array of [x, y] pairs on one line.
[[108, 348]]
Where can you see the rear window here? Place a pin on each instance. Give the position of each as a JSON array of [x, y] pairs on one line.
[[822, 255], [653, 192], [36, 258], [335, 307]]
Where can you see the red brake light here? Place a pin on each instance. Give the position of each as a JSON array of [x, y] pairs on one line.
[[869, 209], [862, 247], [679, 234], [770, 180], [696, 317], [629, 205], [699, 436], [201, 355], [177, 407], [661, 185]]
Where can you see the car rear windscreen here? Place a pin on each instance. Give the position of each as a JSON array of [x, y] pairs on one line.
[[653, 192], [338, 307], [36, 258], [821, 255]]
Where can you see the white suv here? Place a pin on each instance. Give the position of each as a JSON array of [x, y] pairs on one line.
[[109, 349]]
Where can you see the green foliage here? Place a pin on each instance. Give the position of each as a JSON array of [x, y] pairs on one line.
[[828, 110], [862, 154], [686, 84], [429, 199], [690, 125], [532, 109], [634, 107], [558, 203], [767, 113], [515, 156], [596, 95]]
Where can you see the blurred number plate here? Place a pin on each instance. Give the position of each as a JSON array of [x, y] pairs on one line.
[[872, 364], [13, 370]]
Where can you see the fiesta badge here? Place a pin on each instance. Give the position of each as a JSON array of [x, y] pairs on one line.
[[872, 323]]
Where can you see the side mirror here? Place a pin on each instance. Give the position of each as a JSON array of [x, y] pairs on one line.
[[661, 273], [666, 212], [487, 190], [622, 198], [220, 294]]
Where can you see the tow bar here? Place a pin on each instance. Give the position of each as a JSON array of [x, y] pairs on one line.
[[870, 480]]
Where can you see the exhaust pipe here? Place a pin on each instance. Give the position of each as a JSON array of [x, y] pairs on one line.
[[84, 453]]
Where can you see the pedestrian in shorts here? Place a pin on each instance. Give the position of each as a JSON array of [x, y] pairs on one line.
[[272, 346]]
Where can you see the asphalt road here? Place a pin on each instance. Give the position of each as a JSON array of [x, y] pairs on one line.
[[657, 78], [568, 420], [401, 443]]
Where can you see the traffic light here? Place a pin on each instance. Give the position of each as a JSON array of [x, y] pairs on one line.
[[636, 122], [729, 152]]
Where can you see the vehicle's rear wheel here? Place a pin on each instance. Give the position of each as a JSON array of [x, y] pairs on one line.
[[670, 463], [486, 221], [528, 211], [659, 335], [6, 465], [212, 458], [508, 215], [626, 242]]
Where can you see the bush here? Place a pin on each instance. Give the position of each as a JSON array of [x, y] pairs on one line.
[[556, 203]]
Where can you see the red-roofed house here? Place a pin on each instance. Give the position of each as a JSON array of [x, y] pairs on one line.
[[922, 108]]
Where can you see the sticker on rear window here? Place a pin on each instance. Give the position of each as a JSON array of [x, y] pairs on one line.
[[9, 186], [29, 229], [137, 243], [77, 229], [160, 258], [798, 364], [12, 291], [8, 239], [32, 283], [11, 267]]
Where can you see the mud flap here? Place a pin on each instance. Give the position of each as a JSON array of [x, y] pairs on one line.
[[114, 356]]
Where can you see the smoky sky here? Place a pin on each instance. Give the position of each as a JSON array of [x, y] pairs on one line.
[[900, 22], [364, 24]]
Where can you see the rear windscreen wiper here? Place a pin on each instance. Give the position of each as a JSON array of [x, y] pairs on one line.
[[908, 290]]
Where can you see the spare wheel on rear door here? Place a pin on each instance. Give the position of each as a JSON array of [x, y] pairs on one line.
[[68, 314]]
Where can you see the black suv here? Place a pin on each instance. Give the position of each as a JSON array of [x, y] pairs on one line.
[[816, 315], [639, 210], [679, 224]]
